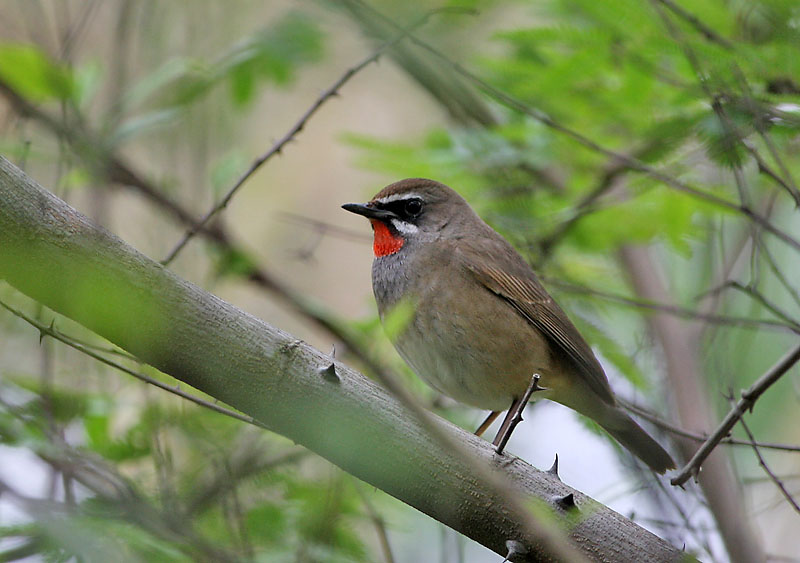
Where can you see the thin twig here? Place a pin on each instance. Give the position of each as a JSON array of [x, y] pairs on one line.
[[747, 401], [729, 127], [675, 310], [775, 479], [698, 437], [379, 523], [706, 31], [765, 169], [278, 146], [757, 296], [700, 536], [773, 265], [587, 204], [787, 181], [51, 331], [326, 228], [731, 134], [248, 461]]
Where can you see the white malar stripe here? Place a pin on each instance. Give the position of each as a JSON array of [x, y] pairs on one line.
[[397, 197], [403, 227]]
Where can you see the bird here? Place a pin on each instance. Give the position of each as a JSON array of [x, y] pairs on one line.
[[481, 328]]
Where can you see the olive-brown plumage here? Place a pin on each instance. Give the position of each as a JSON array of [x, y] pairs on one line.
[[483, 324]]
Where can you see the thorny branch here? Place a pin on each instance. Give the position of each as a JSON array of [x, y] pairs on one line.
[[90, 148], [746, 402]]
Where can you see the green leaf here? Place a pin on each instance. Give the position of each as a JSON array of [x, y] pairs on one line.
[[233, 263], [274, 54], [657, 213], [398, 318], [226, 171], [33, 75], [267, 522], [145, 123]]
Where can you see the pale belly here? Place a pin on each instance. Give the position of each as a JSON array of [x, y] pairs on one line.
[[480, 358]]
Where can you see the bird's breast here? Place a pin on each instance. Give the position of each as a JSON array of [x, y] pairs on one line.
[[461, 339]]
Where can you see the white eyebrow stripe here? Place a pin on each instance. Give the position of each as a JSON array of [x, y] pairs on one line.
[[398, 197], [404, 227]]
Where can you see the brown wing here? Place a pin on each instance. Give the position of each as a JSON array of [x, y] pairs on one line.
[[503, 271]]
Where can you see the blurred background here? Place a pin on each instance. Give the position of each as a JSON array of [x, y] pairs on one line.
[[624, 147]]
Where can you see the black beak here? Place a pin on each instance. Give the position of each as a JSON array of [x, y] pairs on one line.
[[369, 212]]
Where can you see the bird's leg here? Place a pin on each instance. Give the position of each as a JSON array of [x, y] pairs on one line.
[[487, 422], [514, 415]]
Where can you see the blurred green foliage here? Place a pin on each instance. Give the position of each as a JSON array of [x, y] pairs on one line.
[[153, 478]]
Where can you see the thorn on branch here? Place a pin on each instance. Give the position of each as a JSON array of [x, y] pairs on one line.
[[554, 469], [329, 372], [49, 331], [515, 549], [567, 502]]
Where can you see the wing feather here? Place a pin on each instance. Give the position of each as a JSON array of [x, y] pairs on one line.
[[508, 276]]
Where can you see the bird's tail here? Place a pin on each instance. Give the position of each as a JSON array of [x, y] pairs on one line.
[[628, 433]]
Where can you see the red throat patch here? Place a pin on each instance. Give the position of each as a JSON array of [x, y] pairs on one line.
[[385, 242]]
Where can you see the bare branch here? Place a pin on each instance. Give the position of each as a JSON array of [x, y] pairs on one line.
[[378, 522], [774, 478], [758, 297], [747, 401], [675, 310], [697, 437]]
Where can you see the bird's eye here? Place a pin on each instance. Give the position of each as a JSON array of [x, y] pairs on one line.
[[413, 207]]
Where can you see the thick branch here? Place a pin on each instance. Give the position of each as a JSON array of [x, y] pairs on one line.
[[53, 254]]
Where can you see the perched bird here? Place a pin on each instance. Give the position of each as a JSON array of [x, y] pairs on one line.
[[482, 324]]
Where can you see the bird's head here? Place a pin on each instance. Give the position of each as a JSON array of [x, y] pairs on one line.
[[415, 210]]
